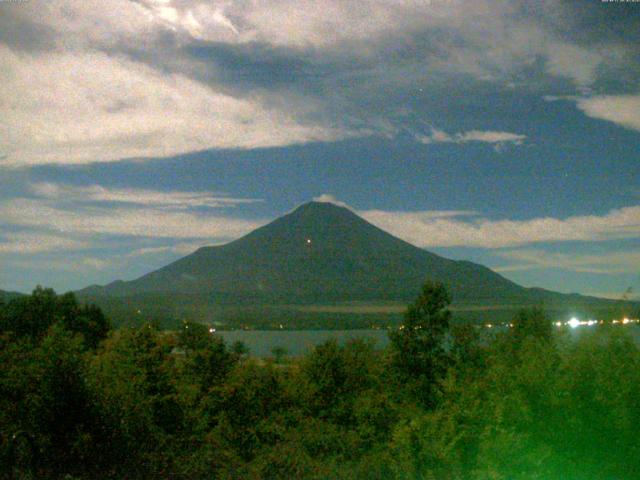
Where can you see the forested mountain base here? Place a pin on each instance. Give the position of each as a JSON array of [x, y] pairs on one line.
[[78, 401]]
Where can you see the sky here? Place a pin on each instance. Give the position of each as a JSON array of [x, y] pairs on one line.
[[502, 132]]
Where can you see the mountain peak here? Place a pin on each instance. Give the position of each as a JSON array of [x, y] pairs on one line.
[[315, 214], [319, 252], [325, 219], [320, 207]]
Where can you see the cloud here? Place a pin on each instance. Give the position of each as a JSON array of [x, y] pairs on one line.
[[75, 265], [608, 263], [33, 242], [97, 81], [91, 212], [98, 193], [180, 248], [633, 296], [139, 222], [91, 262], [577, 63], [490, 137], [623, 110], [493, 137], [425, 230], [328, 198], [55, 111]]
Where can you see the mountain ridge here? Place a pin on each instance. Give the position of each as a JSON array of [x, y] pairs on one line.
[[317, 241], [6, 296], [319, 253]]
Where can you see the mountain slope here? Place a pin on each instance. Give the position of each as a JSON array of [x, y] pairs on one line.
[[321, 254], [318, 253], [7, 296]]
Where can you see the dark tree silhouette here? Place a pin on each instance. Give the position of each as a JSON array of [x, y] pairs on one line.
[[418, 345], [31, 316], [532, 322]]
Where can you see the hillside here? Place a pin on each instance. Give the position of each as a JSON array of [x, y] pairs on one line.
[[6, 296], [320, 253]]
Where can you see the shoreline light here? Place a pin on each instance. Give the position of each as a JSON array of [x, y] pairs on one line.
[[574, 322]]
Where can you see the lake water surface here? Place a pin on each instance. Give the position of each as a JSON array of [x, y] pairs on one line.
[[298, 342]]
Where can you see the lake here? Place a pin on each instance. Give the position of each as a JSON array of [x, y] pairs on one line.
[[297, 342]]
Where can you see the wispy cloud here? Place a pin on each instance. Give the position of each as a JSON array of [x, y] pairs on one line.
[[140, 222], [492, 137], [425, 230], [136, 196], [38, 242], [92, 231], [63, 217], [180, 248], [75, 264], [606, 263]]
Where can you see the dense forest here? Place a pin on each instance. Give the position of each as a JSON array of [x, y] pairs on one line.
[[79, 400]]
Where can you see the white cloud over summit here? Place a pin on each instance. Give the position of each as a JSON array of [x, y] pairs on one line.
[[328, 198]]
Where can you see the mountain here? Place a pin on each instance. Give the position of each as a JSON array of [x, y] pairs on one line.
[[318, 254], [7, 296]]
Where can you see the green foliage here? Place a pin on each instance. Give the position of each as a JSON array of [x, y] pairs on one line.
[[333, 377], [133, 382], [418, 345], [279, 353], [31, 316], [532, 323], [193, 336], [239, 348], [466, 349], [210, 364], [530, 403], [43, 394], [239, 409]]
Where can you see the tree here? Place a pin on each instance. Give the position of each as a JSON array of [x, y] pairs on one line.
[[209, 365], [279, 353], [418, 345], [31, 316], [193, 336], [132, 379], [239, 348], [44, 398], [534, 323], [239, 409], [88, 320]]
